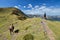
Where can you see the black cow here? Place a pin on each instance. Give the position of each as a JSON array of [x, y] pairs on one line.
[[16, 31]]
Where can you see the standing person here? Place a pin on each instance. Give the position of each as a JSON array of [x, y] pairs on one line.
[[45, 15], [11, 29]]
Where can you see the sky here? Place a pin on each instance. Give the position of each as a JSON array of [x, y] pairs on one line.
[[51, 7]]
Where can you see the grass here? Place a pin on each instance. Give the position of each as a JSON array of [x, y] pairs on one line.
[[34, 28], [55, 27], [28, 26]]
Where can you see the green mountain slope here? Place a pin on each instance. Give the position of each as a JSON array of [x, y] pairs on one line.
[[29, 28], [26, 26], [8, 15]]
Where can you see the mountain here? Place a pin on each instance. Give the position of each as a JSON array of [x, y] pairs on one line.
[[54, 18], [49, 17]]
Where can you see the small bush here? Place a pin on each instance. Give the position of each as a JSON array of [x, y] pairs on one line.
[[28, 37]]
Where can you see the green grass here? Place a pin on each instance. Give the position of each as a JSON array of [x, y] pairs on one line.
[[28, 26], [55, 27], [34, 28], [33, 25]]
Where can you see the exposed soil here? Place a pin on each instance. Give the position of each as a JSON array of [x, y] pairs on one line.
[[47, 30]]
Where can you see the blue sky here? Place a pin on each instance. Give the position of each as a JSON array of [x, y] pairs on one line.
[[7, 3], [51, 7]]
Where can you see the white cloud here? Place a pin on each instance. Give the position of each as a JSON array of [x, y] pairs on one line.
[[37, 6], [29, 5], [44, 4], [16, 6], [24, 6], [42, 9], [19, 5]]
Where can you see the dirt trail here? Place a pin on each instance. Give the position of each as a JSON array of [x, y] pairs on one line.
[[47, 30], [14, 36]]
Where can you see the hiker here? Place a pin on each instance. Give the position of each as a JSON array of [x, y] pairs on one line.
[[45, 15], [11, 28]]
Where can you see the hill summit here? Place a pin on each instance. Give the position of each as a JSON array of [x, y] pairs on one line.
[[13, 11]]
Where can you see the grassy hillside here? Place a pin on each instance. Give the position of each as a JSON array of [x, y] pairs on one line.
[[6, 16], [55, 27], [29, 28]]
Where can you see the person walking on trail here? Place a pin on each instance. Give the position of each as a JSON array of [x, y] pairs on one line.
[[11, 29]]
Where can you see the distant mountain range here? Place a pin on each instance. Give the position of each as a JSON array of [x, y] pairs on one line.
[[54, 18], [49, 17]]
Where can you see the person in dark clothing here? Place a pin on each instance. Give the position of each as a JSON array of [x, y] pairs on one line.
[[45, 15]]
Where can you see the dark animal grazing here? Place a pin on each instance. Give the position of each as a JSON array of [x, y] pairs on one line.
[[11, 29], [16, 31]]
